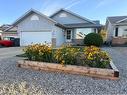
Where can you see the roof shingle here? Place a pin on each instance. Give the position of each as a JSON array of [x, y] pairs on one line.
[[115, 19]]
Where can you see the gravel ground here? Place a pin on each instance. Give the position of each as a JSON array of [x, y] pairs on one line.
[[59, 83]]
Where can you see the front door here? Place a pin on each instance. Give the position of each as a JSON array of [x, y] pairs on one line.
[[68, 35]]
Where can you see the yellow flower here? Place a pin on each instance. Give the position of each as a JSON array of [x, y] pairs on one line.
[[62, 63]]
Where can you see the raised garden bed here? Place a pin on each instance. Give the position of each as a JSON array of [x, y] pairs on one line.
[[90, 61], [112, 73]]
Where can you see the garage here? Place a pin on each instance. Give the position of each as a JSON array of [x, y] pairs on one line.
[[34, 27], [30, 37]]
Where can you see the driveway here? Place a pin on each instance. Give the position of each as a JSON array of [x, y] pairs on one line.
[[9, 52], [59, 83]]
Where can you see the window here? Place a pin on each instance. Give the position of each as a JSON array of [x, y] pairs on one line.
[[125, 33], [63, 15], [116, 32], [82, 32], [125, 29], [68, 34], [34, 17]]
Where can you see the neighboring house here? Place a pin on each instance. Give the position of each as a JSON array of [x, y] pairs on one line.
[[10, 32], [0, 33], [117, 30], [5, 26], [60, 28]]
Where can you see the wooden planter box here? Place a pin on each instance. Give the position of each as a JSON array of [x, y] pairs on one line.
[[53, 67]]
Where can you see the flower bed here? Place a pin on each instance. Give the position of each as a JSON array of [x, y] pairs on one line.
[[88, 61]]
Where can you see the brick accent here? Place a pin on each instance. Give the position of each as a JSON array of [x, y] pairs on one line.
[[119, 41], [53, 42]]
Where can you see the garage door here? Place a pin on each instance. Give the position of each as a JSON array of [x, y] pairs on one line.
[[27, 38]]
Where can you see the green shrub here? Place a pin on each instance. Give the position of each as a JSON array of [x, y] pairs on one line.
[[93, 39]]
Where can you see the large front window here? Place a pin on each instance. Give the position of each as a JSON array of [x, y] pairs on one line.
[[82, 32]]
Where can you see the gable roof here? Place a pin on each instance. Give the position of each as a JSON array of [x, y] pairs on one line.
[[74, 14], [92, 23], [123, 20], [29, 13], [11, 28], [5, 26], [117, 19]]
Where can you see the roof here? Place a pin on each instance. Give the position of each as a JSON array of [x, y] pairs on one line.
[[82, 25], [11, 28], [29, 13], [117, 19], [91, 24], [72, 14], [5, 26]]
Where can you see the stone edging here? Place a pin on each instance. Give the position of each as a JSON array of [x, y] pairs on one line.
[[53, 67]]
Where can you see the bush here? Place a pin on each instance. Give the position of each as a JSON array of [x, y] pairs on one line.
[[95, 57], [39, 52], [89, 56], [66, 55], [93, 39]]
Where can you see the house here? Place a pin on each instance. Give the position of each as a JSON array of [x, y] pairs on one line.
[[0, 33], [5, 26], [60, 28], [117, 30], [2, 28], [10, 32]]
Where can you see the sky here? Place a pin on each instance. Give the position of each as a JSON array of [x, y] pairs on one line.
[[10, 10]]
